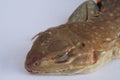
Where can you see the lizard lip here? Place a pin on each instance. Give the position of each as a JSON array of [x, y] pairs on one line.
[[29, 69], [28, 66]]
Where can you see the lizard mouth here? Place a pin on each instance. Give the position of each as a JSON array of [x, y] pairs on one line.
[[66, 63], [47, 64]]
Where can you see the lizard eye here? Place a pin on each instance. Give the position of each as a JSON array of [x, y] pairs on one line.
[[62, 58], [83, 44]]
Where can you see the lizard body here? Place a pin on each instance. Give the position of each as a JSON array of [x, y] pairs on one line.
[[77, 47]]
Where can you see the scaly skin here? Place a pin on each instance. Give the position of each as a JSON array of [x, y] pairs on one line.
[[79, 47], [84, 12]]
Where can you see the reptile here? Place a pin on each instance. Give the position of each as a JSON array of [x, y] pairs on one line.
[[77, 47]]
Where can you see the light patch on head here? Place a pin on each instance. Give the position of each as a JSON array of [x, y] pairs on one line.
[[108, 39]]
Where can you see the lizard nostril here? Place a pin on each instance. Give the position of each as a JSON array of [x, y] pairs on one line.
[[36, 63]]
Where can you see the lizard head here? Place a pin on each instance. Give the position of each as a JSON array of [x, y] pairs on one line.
[[58, 57]]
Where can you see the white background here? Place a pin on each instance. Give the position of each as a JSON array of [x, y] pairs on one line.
[[20, 20]]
